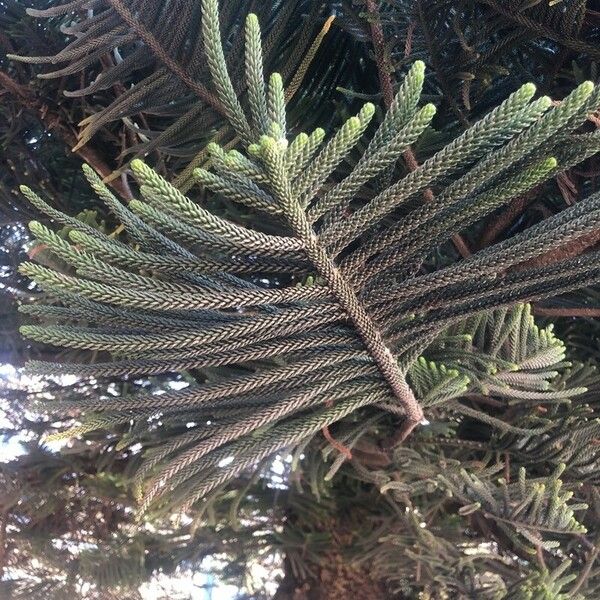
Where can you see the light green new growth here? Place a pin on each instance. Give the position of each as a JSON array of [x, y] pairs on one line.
[[402, 108], [255, 77], [297, 158], [276, 105], [218, 69], [332, 154]]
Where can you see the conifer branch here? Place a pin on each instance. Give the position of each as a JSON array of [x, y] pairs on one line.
[[322, 319]]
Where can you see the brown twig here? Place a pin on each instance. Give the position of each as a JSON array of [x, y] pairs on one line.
[[385, 81], [57, 123], [499, 223], [387, 91], [507, 467], [3, 551], [337, 445], [570, 250], [542, 311], [585, 573], [433, 54], [539, 552]]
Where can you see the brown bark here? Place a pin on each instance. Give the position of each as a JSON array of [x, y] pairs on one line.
[[336, 579], [3, 557], [591, 313], [574, 248]]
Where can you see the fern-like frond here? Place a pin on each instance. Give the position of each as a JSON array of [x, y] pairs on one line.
[[528, 511], [171, 106], [321, 319]]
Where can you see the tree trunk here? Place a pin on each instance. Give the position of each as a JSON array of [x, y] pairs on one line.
[[336, 579]]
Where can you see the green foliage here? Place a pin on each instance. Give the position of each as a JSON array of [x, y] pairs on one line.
[[204, 309], [140, 68], [319, 304], [434, 383], [533, 510], [545, 585]]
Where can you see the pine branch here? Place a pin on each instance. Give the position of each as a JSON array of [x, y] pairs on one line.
[[321, 320]]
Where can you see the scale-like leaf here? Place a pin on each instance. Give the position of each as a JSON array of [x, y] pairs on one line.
[[321, 319]]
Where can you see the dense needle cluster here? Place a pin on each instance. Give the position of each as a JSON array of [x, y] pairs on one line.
[[355, 311]]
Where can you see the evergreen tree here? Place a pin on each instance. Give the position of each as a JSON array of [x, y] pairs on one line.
[[327, 299]]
